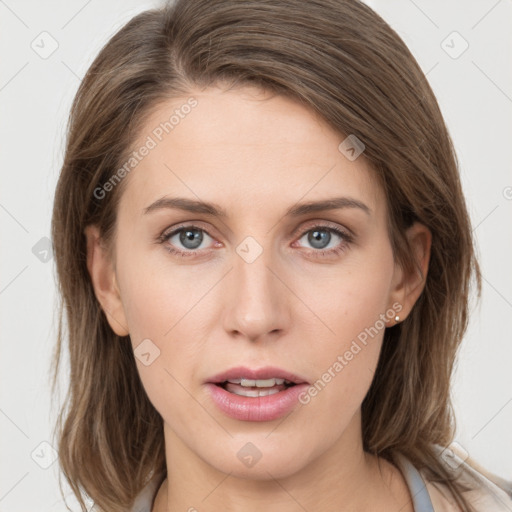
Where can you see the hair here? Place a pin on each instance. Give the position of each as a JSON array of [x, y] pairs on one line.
[[343, 61]]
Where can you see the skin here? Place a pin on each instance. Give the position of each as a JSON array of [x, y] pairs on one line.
[[256, 155]]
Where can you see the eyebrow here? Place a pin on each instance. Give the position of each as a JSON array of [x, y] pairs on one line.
[[193, 206]]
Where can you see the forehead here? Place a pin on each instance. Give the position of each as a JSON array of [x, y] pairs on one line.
[[243, 146]]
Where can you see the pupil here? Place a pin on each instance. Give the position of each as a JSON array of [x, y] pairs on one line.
[[318, 237], [191, 238]]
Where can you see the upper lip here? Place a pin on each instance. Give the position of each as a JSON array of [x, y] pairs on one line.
[[242, 372]]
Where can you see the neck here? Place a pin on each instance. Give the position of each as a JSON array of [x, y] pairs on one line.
[[343, 478]]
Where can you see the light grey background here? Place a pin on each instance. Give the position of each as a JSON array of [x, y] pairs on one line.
[[474, 90]]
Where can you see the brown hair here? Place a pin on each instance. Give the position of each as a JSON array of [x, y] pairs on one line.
[[339, 58]]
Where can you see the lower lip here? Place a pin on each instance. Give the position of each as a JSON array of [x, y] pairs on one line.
[[261, 408]]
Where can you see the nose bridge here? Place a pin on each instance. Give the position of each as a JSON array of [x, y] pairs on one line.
[[257, 302]]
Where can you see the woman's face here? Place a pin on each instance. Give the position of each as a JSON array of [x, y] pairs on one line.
[[269, 283]]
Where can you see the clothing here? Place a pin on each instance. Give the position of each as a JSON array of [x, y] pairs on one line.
[[485, 495]]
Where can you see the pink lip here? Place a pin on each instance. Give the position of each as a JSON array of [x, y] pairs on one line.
[[262, 408]]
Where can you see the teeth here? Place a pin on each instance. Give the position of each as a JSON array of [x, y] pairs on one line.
[[253, 393], [260, 383]]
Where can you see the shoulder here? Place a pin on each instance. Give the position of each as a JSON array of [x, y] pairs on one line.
[[485, 491]]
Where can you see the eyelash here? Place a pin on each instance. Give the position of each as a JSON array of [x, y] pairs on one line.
[[346, 240]]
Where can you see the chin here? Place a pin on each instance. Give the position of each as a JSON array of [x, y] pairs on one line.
[[254, 459]]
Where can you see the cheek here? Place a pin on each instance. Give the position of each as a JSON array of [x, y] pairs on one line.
[[351, 297], [157, 293], [163, 313], [165, 308], [167, 339], [352, 305]]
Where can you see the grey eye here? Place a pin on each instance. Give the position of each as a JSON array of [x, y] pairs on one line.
[[189, 238], [319, 238]]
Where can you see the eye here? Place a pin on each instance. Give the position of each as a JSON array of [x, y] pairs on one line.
[[326, 240], [185, 240]]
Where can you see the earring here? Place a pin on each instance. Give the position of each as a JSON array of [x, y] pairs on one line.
[[397, 318]]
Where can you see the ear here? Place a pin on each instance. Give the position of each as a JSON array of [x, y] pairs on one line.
[[407, 286], [103, 279]]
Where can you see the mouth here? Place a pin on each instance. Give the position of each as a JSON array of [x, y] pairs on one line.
[[242, 378], [256, 395], [254, 388]]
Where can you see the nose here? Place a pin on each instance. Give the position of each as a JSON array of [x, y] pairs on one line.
[[256, 299]]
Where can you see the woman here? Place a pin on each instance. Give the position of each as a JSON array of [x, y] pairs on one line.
[[265, 260]]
